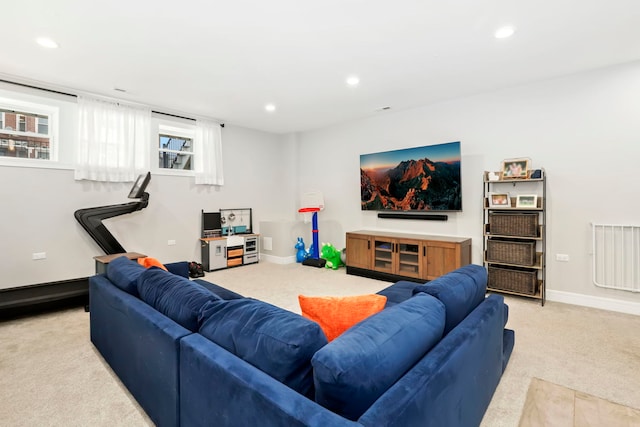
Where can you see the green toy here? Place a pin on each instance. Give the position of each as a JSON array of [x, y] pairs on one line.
[[331, 255]]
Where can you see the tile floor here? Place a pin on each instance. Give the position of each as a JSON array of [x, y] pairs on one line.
[[552, 405]]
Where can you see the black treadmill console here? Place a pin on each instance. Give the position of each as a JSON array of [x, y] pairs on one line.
[[91, 218], [137, 191]]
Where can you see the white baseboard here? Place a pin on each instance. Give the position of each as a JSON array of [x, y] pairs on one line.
[[278, 259], [594, 302]]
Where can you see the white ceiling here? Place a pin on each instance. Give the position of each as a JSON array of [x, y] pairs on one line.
[[227, 60]]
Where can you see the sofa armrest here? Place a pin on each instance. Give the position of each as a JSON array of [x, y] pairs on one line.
[[180, 268], [465, 366], [140, 345], [209, 374]]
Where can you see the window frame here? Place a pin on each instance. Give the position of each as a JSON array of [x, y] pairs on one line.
[[174, 129]]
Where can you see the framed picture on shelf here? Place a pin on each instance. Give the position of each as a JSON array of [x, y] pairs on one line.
[[527, 201], [499, 200], [515, 169], [493, 176]]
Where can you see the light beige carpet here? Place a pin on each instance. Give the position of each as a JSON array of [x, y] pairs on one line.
[[552, 405]]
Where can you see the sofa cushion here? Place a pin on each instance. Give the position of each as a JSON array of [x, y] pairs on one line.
[[274, 340], [223, 293], [337, 314], [124, 273], [460, 291], [174, 296], [356, 368], [398, 292], [180, 268]]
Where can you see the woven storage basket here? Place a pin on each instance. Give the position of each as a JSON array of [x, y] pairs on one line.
[[513, 280], [511, 252], [514, 224]]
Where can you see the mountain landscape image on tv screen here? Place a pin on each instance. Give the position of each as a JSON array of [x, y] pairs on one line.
[[412, 179]]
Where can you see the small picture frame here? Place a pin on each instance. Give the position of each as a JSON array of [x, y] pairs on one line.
[[500, 200], [529, 201], [515, 169], [493, 176]]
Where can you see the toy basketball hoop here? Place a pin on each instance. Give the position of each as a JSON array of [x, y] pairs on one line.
[[312, 199], [313, 212], [312, 202], [307, 214]]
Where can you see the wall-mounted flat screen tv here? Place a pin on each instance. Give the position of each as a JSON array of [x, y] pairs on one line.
[[412, 179]]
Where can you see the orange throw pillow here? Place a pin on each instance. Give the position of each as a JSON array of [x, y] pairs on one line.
[[337, 314], [147, 262]]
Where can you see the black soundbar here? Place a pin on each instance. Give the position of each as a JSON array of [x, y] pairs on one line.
[[412, 215]]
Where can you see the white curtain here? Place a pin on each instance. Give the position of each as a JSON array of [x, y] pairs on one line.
[[208, 153], [113, 141]]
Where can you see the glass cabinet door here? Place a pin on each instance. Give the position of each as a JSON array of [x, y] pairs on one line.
[[408, 254], [396, 256], [383, 255]]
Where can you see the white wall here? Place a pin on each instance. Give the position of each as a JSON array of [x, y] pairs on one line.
[[37, 208], [583, 129]]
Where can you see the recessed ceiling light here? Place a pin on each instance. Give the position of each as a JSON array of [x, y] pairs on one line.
[[47, 42], [270, 108], [504, 32], [353, 80]]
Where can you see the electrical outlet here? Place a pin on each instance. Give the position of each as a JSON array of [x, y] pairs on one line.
[[171, 242], [562, 257], [39, 255]]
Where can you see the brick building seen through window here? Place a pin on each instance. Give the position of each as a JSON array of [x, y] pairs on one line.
[[24, 135]]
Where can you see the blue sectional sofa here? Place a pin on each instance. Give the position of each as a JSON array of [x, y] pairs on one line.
[[193, 353]]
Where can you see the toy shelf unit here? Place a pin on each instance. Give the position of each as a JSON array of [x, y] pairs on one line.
[[227, 239], [229, 251], [514, 234]]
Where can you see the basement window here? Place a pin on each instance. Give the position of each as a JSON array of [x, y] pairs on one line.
[[175, 149], [26, 130]]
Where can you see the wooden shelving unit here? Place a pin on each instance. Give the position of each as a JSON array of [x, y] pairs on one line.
[[507, 275]]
